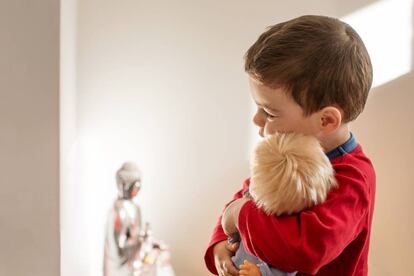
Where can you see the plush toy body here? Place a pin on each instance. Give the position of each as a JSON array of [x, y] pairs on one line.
[[289, 173]]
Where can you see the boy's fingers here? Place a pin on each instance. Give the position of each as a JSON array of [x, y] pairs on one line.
[[248, 263], [230, 269], [221, 272], [244, 267], [222, 259], [232, 246]]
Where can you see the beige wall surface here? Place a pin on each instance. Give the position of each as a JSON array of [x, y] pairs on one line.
[[386, 132], [29, 137]]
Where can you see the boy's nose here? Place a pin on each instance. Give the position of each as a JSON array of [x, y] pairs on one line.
[[258, 120]]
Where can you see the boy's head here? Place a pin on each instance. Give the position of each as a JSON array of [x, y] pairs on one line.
[[320, 68]]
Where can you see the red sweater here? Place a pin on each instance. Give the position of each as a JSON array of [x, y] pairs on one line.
[[329, 239]]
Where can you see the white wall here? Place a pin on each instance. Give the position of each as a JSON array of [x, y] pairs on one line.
[[73, 240], [163, 85], [29, 137]]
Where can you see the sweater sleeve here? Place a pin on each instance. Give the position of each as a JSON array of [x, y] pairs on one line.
[[312, 238], [218, 233]]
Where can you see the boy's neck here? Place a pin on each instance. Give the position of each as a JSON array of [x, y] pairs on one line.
[[333, 140]]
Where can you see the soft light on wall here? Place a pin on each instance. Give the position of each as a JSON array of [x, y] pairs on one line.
[[386, 29]]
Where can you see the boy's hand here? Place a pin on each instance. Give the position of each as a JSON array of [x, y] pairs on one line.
[[249, 269], [223, 251], [230, 217]]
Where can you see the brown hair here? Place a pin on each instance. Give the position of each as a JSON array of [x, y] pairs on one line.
[[319, 60]]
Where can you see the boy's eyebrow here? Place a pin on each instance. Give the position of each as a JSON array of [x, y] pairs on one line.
[[266, 106]]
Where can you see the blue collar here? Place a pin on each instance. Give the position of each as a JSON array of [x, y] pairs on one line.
[[345, 148]]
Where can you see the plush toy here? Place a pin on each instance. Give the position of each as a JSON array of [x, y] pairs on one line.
[[289, 173]]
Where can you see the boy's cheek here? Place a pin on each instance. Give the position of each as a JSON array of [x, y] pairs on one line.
[[274, 127], [270, 130]]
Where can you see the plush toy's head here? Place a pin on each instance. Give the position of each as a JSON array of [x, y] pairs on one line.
[[289, 173]]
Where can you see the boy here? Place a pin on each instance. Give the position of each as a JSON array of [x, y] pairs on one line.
[[309, 75]]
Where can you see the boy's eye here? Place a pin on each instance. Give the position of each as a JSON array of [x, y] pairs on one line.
[[268, 115]]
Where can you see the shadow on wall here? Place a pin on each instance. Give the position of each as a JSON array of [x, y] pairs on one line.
[[386, 131]]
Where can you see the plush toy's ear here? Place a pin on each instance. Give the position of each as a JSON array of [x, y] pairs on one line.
[[290, 172]]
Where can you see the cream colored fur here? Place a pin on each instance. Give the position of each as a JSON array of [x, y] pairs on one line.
[[289, 173]]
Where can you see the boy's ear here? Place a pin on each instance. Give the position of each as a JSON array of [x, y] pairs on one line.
[[330, 119]]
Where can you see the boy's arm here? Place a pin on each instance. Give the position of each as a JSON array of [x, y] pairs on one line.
[[219, 235], [230, 216], [309, 240]]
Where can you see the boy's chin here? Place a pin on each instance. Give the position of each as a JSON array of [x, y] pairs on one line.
[[267, 134]]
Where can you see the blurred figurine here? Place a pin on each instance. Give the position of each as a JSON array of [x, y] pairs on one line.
[[130, 249], [122, 241], [153, 258]]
